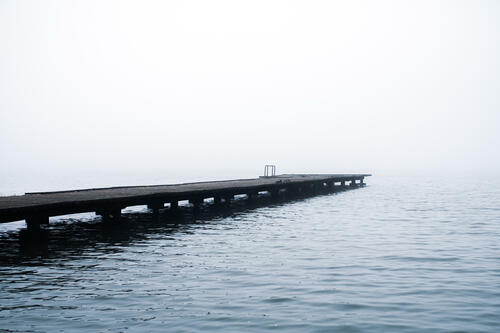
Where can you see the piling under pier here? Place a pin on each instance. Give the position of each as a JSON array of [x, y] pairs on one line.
[[37, 208]]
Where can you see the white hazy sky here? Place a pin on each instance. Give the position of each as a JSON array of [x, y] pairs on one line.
[[224, 87]]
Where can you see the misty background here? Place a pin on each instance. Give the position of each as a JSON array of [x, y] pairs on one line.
[[99, 93]]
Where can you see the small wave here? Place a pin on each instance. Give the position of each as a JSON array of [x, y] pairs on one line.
[[279, 300], [421, 259]]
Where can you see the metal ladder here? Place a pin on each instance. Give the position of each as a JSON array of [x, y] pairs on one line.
[[270, 170]]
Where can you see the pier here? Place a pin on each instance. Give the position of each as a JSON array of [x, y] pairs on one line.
[[37, 208]]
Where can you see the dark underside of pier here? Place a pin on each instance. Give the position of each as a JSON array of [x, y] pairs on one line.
[[36, 208]]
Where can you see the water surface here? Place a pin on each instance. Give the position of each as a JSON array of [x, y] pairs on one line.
[[401, 255]]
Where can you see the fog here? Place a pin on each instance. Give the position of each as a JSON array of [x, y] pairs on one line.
[[217, 89]]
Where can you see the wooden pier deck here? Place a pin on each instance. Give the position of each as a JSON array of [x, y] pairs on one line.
[[36, 208]]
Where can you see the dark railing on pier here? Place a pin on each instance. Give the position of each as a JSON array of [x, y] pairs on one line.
[[36, 208]]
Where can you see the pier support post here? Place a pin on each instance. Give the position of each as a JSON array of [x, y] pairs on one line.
[[197, 202], [227, 199], [353, 182], [111, 215], [252, 195], [155, 207], [330, 184], [217, 200], [34, 222], [361, 181], [174, 205], [292, 191], [301, 191]]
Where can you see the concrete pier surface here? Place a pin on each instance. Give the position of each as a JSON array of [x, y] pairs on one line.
[[36, 208]]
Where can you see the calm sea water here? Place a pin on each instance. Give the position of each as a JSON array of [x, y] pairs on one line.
[[400, 255]]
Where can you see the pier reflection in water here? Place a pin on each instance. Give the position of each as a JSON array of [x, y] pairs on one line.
[[69, 236]]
